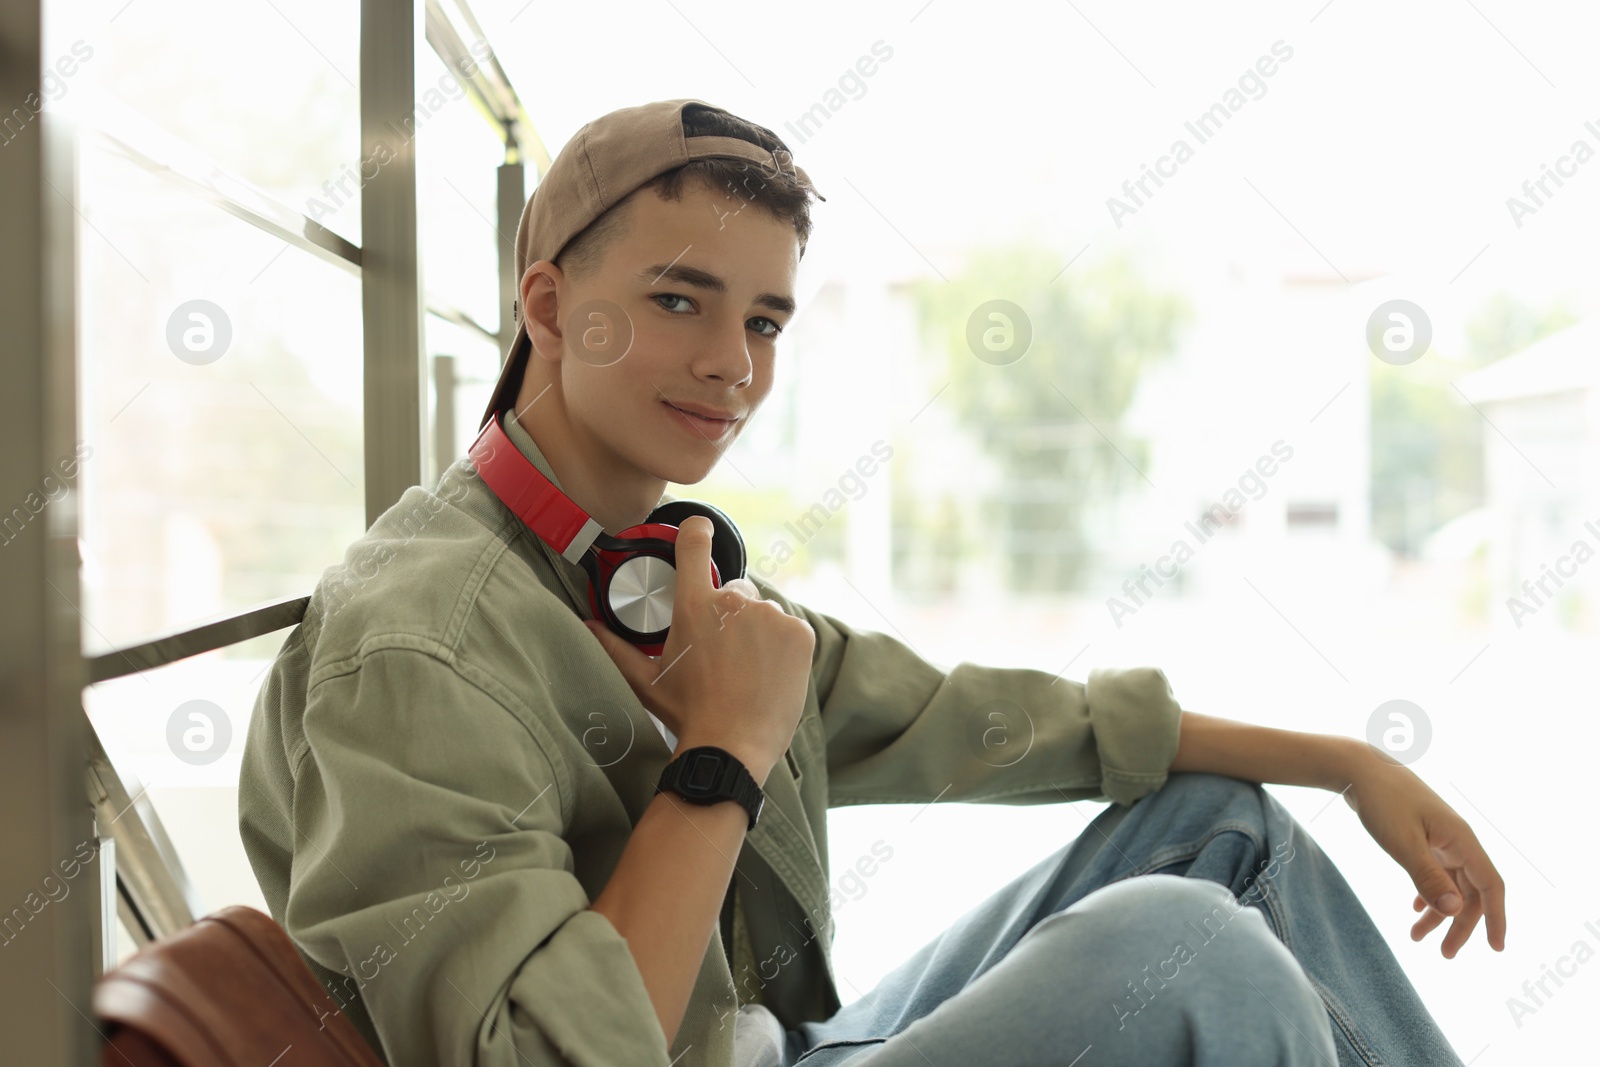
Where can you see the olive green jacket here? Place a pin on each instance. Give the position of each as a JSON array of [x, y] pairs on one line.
[[443, 767]]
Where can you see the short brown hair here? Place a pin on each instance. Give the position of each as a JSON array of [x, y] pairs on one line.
[[775, 191]]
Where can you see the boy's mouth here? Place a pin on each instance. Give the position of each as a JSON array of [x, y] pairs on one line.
[[700, 424]]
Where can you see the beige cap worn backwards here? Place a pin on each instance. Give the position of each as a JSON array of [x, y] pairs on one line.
[[605, 161]]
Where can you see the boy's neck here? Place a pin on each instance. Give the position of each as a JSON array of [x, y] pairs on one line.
[[616, 494]]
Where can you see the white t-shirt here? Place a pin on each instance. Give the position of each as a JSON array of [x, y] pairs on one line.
[[758, 1036]]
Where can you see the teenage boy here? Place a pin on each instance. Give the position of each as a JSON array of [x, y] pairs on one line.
[[500, 839]]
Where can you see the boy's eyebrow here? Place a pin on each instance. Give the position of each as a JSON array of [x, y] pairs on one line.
[[702, 279]]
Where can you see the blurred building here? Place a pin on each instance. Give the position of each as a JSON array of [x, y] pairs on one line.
[[1259, 434], [1543, 525]]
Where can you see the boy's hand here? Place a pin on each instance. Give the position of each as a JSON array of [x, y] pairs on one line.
[[1452, 873], [734, 669]]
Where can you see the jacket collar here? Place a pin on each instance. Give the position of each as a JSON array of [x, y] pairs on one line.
[[528, 447]]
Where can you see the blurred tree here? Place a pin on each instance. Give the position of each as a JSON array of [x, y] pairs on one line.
[[1506, 325], [1427, 446], [1044, 391]]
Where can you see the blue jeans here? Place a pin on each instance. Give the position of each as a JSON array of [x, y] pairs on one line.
[[1202, 925]]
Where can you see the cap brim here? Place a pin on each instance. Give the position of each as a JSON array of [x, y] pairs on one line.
[[510, 383]]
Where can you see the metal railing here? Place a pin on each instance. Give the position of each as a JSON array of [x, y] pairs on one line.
[[153, 894]]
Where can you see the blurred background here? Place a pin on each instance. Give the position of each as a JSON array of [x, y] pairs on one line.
[[1288, 313]]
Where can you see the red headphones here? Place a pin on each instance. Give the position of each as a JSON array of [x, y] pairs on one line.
[[631, 575]]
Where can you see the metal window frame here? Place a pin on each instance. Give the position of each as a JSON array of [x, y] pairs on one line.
[[144, 144], [394, 389], [47, 746], [47, 967]]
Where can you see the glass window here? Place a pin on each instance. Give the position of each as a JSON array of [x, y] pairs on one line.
[[181, 729], [457, 156], [269, 91], [476, 367], [221, 408]]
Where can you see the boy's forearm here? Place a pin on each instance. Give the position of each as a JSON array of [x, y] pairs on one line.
[[1266, 754], [665, 894]]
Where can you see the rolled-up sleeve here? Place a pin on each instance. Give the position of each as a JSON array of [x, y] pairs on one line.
[[430, 867], [900, 729], [1135, 721]]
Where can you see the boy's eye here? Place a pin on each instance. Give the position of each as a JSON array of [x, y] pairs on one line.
[[664, 301]]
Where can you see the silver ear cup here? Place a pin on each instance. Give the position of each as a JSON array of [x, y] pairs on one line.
[[640, 593]]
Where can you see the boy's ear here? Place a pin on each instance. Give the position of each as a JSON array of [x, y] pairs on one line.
[[541, 308]]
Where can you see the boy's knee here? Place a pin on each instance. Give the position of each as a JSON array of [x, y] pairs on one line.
[[1127, 923], [1157, 927], [1167, 955], [1217, 961], [1154, 900], [1198, 786], [1194, 913], [1257, 986]]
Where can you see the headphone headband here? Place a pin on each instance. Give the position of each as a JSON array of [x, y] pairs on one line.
[[534, 499]]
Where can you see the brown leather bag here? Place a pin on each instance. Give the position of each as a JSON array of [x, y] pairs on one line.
[[231, 989]]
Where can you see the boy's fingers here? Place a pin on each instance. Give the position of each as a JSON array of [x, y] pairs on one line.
[[1461, 930], [1491, 890], [1426, 925], [1433, 884]]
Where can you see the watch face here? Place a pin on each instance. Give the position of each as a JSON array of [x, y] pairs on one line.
[[702, 772], [707, 775]]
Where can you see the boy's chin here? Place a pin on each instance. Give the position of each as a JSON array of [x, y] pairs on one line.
[[681, 466], [686, 470]]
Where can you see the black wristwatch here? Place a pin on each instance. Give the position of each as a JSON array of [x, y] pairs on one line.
[[707, 774]]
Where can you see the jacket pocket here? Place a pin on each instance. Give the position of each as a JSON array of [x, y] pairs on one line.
[[794, 764]]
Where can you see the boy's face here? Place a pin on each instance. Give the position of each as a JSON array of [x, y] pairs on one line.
[[684, 309]]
